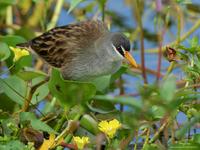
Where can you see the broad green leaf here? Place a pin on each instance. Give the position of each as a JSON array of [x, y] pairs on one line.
[[35, 123], [4, 51], [117, 74], [41, 92], [89, 124], [101, 107], [12, 40], [73, 4], [157, 112], [29, 74], [21, 63], [168, 88], [196, 138], [7, 104], [102, 83], [125, 100], [184, 146], [15, 88], [70, 93], [5, 3]]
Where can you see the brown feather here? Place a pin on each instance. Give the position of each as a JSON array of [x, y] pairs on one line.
[[60, 45]]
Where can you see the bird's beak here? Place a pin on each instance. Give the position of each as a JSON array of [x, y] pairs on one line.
[[128, 56]]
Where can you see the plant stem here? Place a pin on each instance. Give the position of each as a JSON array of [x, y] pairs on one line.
[[121, 88], [56, 14], [9, 18], [159, 131], [32, 91], [146, 139], [137, 8]]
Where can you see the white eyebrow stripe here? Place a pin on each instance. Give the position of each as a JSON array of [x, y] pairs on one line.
[[117, 51], [123, 49]]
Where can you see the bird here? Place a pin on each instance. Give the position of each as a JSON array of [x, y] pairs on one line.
[[82, 51]]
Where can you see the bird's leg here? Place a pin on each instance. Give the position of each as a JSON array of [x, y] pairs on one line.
[[32, 91]]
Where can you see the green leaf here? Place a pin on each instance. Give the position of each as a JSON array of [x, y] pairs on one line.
[[117, 74], [35, 123], [184, 146], [30, 73], [70, 93], [196, 138], [102, 83], [12, 40], [4, 51], [21, 63], [15, 88], [5, 3], [168, 88], [101, 107], [73, 4], [89, 124], [41, 92], [13, 145], [125, 100], [157, 112], [194, 42]]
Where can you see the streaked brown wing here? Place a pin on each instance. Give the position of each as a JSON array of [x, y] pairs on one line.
[[62, 44]]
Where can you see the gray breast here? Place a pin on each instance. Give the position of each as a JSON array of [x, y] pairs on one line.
[[100, 59]]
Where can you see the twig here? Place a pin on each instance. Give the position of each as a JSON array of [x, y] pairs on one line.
[[121, 88], [32, 91], [56, 14], [146, 139], [72, 126], [139, 20], [155, 137], [160, 36]]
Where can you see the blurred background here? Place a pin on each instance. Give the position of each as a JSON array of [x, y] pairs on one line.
[[154, 27]]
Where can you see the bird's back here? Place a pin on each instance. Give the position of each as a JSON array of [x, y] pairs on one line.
[[60, 45]]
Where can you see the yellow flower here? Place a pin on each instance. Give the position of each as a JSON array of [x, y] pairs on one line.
[[19, 52], [109, 128], [80, 142], [48, 143]]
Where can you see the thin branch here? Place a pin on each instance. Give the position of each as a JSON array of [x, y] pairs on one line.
[[32, 91], [137, 13], [156, 135]]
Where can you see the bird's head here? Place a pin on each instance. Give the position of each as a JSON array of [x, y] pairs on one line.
[[121, 45]]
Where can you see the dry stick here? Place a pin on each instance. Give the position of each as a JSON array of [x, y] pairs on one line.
[[32, 91], [160, 37]]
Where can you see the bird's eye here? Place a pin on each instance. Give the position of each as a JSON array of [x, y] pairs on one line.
[[120, 50]]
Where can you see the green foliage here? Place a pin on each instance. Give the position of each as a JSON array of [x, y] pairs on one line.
[[70, 93], [65, 108]]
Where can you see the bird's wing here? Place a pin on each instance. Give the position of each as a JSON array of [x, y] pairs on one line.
[[60, 45]]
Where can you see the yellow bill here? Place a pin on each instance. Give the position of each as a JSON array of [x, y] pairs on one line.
[[129, 57]]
